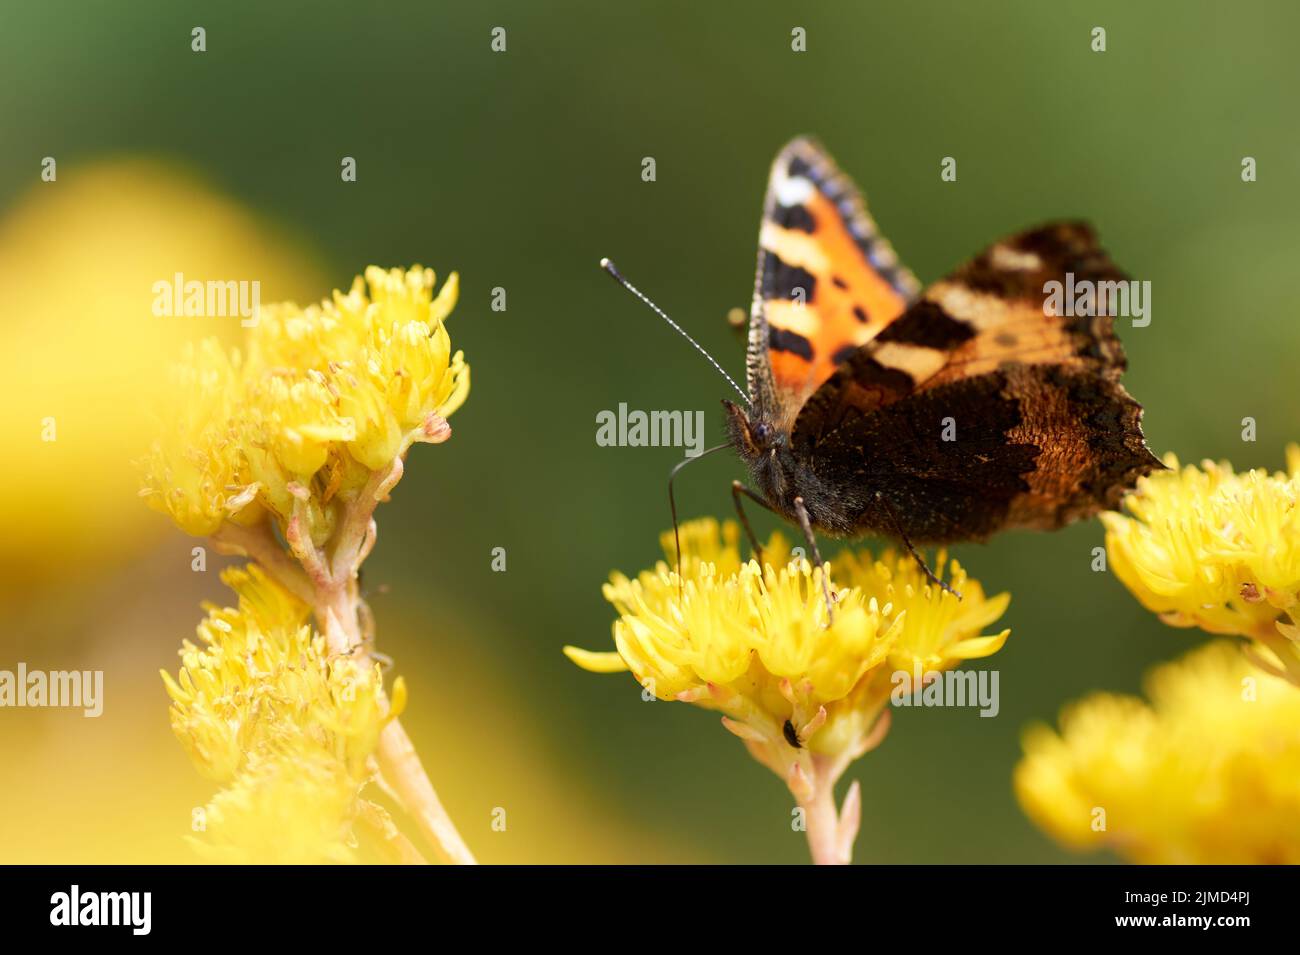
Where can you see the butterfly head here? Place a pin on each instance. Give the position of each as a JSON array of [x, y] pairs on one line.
[[753, 437]]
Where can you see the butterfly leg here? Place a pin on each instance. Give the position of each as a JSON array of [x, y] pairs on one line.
[[802, 513], [738, 489], [902, 535]]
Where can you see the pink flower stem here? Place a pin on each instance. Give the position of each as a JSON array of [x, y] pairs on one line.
[[831, 832], [259, 544], [823, 822], [329, 584]]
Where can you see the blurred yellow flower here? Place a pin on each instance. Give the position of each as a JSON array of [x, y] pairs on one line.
[[78, 262], [200, 472], [1206, 547], [262, 706], [1205, 774], [321, 398], [754, 644], [290, 808]]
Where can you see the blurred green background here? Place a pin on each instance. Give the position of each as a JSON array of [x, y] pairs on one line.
[[520, 170]]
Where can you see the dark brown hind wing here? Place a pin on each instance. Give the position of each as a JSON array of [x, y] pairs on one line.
[[983, 406]]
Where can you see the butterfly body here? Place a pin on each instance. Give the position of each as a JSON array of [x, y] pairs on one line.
[[930, 417]]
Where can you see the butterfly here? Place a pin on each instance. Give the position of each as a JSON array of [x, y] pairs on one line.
[[876, 408]]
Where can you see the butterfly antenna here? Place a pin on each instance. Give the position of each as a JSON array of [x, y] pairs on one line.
[[609, 267]]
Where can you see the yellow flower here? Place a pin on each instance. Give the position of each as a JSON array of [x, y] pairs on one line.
[[322, 397], [940, 628], [733, 637], [262, 707], [196, 472], [262, 680], [291, 808], [754, 644], [1206, 547], [297, 420], [1205, 774], [83, 256], [385, 356]]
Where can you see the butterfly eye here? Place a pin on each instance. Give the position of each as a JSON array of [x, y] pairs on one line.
[[762, 432]]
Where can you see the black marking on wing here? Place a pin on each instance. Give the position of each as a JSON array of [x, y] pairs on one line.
[[807, 159], [844, 354], [800, 167], [779, 339], [781, 280], [927, 324], [793, 217]]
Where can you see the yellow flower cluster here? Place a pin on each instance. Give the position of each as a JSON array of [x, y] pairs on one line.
[[262, 708], [1205, 774], [320, 398], [1206, 547], [283, 809], [754, 643]]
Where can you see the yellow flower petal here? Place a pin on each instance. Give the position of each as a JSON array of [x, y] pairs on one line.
[[596, 662], [978, 647]]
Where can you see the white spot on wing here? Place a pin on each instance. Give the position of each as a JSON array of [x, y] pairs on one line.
[[793, 190], [917, 360], [1013, 260]]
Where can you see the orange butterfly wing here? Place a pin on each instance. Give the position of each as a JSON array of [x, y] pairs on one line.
[[827, 281]]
